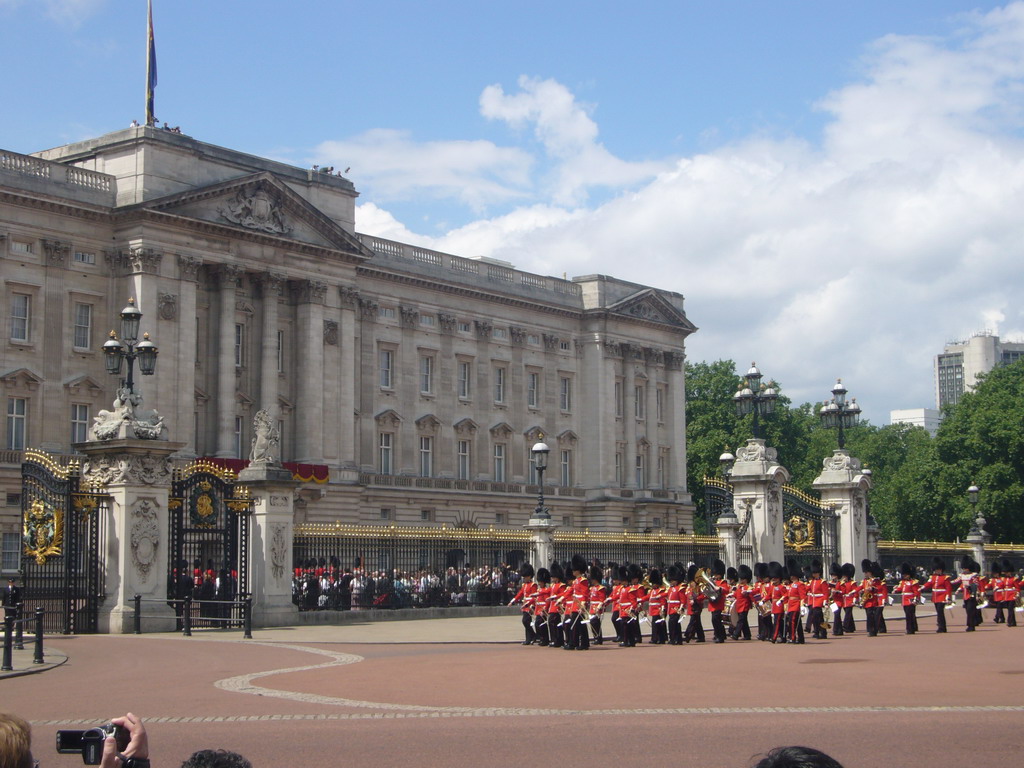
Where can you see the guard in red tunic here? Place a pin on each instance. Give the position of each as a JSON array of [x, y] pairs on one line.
[[867, 598], [969, 584], [883, 596], [1011, 588], [618, 584], [941, 589], [598, 599], [559, 592], [657, 607], [629, 611], [763, 601], [910, 591], [796, 595], [777, 595], [578, 630], [851, 592], [743, 600], [834, 603], [818, 591], [716, 601], [674, 599], [540, 606], [636, 589], [527, 595], [694, 601]]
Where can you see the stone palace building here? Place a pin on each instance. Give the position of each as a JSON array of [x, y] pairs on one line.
[[408, 384]]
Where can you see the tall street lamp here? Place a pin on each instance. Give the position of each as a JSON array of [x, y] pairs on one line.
[[129, 348], [540, 453], [755, 397], [837, 413]]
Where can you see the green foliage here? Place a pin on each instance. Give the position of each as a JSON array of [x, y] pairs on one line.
[[920, 484]]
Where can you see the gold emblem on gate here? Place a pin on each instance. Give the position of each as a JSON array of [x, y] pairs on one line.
[[799, 533], [43, 534]]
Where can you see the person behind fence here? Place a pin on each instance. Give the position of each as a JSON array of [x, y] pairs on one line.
[[11, 597]]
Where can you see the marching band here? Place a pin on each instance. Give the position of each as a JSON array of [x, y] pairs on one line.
[[564, 608]]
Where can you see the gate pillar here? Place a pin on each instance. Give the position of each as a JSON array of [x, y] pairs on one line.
[[542, 542], [757, 479], [272, 490], [137, 475], [844, 485]]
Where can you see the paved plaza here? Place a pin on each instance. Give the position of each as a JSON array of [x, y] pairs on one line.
[[464, 692]]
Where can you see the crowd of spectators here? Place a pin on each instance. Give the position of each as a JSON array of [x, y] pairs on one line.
[[322, 586]]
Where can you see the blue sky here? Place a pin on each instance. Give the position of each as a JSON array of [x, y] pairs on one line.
[[835, 187]]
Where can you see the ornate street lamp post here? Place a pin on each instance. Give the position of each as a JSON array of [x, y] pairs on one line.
[[837, 413], [127, 420], [540, 453], [755, 397]]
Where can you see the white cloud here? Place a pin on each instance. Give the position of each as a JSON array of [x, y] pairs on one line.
[[856, 257], [71, 12]]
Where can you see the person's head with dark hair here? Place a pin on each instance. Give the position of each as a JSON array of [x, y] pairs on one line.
[[216, 758], [15, 742], [796, 757]]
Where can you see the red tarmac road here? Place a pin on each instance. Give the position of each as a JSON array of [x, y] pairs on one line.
[[301, 699]]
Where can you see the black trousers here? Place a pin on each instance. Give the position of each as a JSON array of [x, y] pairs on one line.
[[555, 629], [659, 630], [973, 614], [871, 616], [595, 629], [814, 618], [540, 627], [694, 629], [796, 627], [617, 623], [531, 634], [580, 637], [1010, 606], [778, 628], [940, 617], [742, 627], [675, 630], [630, 630], [837, 622], [910, 615], [717, 626], [849, 625], [764, 626]]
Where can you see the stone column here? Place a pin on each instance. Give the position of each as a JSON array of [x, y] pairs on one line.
[[757, 479], [978, 537], [873, 534], [348, 375], [273, 491], [629, 417], [185, 394], [227, 279], [309, 432], [728, 526], [137, 474], [270, 286], [542, 542], [676, 405], [844, 487]]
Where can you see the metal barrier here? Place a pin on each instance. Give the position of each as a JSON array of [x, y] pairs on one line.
[[14, 623], [184, 608]]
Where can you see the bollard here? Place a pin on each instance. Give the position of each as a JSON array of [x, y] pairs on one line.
[[8, 660], [138, 613], [186, 617], [19, 635], [247, 619], [38, 657]]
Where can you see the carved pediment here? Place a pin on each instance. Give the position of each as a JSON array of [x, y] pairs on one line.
[[649, 305], [388, 418], [428, 424], [262, 205], [466, 427], [501, 430], [84, 385], [22, 377], [534, 434], [568, 437]]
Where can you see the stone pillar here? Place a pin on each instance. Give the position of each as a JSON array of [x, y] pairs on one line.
[[978, 537], [757, 479], [309, 441], [844, 487], [270, 557], [227, 277], [270, 287], [188, 268], [676, 417], [873, 534], [728, 537], [542, 542], [347, 376], [137, 474]]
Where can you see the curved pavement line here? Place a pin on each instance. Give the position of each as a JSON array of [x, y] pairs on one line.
[[244, 684]]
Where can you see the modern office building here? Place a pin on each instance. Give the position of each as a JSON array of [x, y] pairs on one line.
[[928, 418], [408, 385], [960, 364]]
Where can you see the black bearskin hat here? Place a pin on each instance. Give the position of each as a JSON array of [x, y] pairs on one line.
[[717, 568], [622, 573], [543, 576], [578, 565], [878, 570], [731, 574], [792, 569], [967, 564], [526, 571], [596, 574], [906, 570], [775, 570], [634, 571], [761, 570], [849, 570], [1008, 569], [557, 572], [865, 567], [835, 570], [816, 567], [673, 573], [654, 576], [691, 572], [938, 564], [743, 573]]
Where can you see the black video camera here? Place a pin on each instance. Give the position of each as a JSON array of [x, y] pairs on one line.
[[89, 743]]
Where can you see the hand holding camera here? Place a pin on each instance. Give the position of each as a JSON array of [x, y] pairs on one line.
[[121, 743]]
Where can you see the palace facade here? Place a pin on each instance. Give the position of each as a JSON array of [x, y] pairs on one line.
[[408, 384]]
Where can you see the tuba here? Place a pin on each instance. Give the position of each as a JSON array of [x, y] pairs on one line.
[[707, 585]]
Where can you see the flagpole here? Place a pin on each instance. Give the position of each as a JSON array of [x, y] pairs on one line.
[[150, 67]]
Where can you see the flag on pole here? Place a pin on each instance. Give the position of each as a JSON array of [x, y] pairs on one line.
[[150, 70]]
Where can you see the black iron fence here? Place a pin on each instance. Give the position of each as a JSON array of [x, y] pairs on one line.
[[346, 567]]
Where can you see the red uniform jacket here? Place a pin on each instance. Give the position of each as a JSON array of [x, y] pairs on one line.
[[743, 598], [597, 600], [779, 594], [656, 602], [541, 600], [910, 590], [796, 592], [941, 587], [528, 594], [674, 599], [817, 593]]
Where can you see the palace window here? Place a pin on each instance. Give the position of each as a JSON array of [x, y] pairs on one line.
[[79, 422], [532, 389], [386, 361], [21, 313], [463, 455], [465, 369], [385, 452], [83, 326], [426, 456], [499, 462], [17, 423]]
